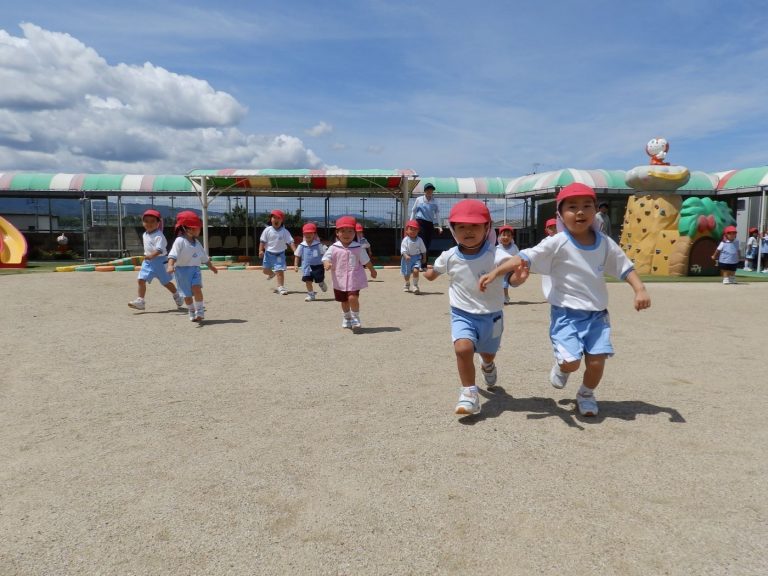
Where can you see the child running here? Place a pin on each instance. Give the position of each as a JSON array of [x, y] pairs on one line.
[[272, 245], [508, 246], [184, 261], [413, 256], [347, 261], [362, 240], [727, 255], [153, 266], [477, 318], [309, 255], [576, 260]]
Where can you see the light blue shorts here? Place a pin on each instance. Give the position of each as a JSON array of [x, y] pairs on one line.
[[274, 261], [483, 329], [576, 332], [186, 277], [155, 268], [407, 266]]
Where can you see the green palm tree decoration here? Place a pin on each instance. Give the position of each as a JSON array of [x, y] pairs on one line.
[[705, 216]]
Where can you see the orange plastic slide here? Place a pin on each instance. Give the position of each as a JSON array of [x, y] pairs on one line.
[[13, 246]]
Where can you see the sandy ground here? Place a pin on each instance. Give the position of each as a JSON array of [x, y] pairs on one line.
[[271, 441]]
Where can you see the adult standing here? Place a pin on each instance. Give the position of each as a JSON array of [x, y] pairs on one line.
[[602, 218], [426, 212]]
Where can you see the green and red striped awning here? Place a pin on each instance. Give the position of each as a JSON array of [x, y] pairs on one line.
[[461, 186], [295, 181], [745, 179], [599, 179], [75, 185]]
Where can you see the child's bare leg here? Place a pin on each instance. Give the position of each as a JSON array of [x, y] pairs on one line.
[[171, 287], [188, 300], [506, 293], [488, 358], [594, 365], [280, 278], [569, 367], [267, 271], [308, 284], [465, 360], [407, 278], [345, 307], [354, 303], [142, 288], [415, 275], [197, 292]]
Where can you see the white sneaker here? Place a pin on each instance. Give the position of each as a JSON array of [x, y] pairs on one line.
[[747, 269], [506, 299], [199, 316], [587, 405], [416, 289], [355, 323], [310, 297], [323, 286], [346, 323], [468, 404], [282, 291], [407, 287], [137, 304], [557, 377], [192, 314], [490, 376], [179, 300]]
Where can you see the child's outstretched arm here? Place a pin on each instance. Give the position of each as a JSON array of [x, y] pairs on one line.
[[509, 265], [642, 298]]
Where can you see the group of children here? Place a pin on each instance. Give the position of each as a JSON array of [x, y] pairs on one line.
[[727, 253], [572, 260]]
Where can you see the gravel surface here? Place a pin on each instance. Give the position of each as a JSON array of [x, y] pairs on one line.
[[270, 441]]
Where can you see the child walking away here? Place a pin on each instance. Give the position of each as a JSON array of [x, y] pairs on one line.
[[575, 261], [750, 255], [309, 255], [727, 255], [272, 245], [508, 246], [153, 266], [347, 260], [184, 260], [413, 256], [477, 319]]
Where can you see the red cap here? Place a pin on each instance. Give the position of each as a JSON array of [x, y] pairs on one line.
[[506, 227], [358, 227], [753, 230], [729, 229], [279, 213], [470, 212], [152, 212], [188, 218], [309, 227], [575, 189], [550, 222], [346, 222], [412, 224]]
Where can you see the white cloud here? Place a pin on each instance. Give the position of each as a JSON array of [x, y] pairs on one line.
[[320, 129], [63, 107]]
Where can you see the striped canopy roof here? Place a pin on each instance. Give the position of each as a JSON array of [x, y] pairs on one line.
[[614, 179], [457, 186], [294, 181], [747, 178], [78, 184]]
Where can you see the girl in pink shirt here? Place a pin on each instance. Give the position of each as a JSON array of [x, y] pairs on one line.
[[347, 259]]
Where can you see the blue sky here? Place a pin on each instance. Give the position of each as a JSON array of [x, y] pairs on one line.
[[443, 87]]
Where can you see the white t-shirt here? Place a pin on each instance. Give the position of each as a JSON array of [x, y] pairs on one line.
[[577, 272], [412, 247], [464, 272], [186, 253], [276, 240], [154, 241], [512, 249]]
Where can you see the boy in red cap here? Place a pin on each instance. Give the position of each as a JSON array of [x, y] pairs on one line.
[[727, 255], [272, 244], [508, 246], [309, 255], [576, 260], [362, 240], [413, 256], [184, 261], [347, 261], [153, 266], [477, 318]]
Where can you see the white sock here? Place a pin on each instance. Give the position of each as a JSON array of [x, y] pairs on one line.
[[470, 390], [584, 391], [347, 315], [200, 305], [139, 299], [485, 366]]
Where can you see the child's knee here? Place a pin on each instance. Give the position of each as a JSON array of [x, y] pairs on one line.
[[464, 347]]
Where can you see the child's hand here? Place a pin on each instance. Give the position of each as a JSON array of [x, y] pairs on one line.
[[519, 276], [261, 253], [486, 279], [642, 300], [212, 268], [170, 269], [295, 268], [148, 256], [327, 265], [373, 273], [407, 257]]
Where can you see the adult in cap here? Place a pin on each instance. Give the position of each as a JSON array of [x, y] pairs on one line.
[[427, 213]]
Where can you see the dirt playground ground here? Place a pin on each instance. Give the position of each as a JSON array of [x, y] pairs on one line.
[[270, 441]]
